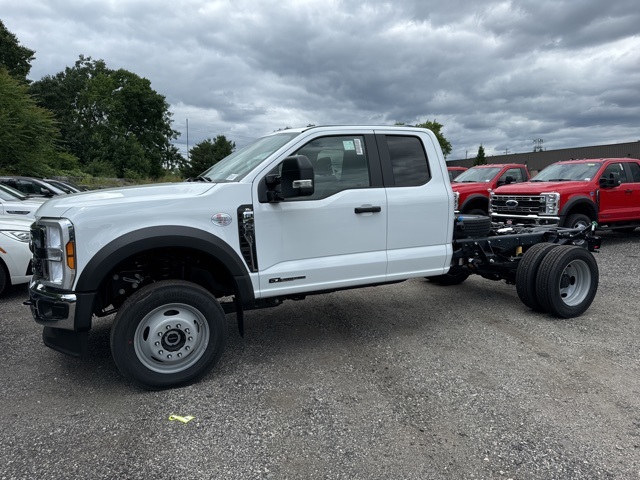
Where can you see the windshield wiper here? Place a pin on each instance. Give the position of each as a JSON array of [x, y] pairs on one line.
[[199, 178]]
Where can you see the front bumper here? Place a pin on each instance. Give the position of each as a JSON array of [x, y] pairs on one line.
[[60, 309], [526, 219]]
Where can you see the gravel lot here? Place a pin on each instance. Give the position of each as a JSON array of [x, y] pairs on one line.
[[407, 381]]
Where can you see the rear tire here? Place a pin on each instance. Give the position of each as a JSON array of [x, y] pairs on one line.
[[455, 276], [567, 281], [168, 334], [527, 273]]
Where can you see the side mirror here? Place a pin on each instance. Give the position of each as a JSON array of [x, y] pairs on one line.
[[611, 182], [297, 177], [507, 180]]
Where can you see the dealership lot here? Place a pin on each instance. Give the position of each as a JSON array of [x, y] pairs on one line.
[[403, 381]]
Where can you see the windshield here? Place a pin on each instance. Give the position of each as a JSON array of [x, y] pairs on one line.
[[565, 172], [237, 165], [477, 175], [10, 193]]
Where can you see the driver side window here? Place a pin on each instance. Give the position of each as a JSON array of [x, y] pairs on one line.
[[339, 163], [615, 168]]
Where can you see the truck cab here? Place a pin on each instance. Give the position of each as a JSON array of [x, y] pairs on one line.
[[473, 186]]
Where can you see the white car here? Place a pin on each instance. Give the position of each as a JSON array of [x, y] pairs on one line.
[[17, 204], [15, 256]]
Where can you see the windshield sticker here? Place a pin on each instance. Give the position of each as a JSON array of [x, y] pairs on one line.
[[358, 146], [232, 177], [348, 145]]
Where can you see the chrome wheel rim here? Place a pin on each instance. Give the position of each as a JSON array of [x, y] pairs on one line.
[[171, 338], [575, 283]]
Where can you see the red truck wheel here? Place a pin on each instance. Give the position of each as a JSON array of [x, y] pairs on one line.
[[577, 220], [567, 281]]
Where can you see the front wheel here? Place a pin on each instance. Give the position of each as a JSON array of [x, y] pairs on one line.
[[567, 281], [577, 220], [168, 334]]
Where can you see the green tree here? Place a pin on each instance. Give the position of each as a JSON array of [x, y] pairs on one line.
[[207, 153], [112, 120], [480, 157], [28, 133], [15, 58], [436, 128]]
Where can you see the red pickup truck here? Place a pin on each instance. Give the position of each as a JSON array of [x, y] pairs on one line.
[[454, 172], [472, 187], [575, 193]]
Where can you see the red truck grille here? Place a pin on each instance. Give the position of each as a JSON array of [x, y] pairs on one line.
[[523, 204]]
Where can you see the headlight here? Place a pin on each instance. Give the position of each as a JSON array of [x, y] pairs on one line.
[[456, 200], [551, 203], [19, 235], [53, 246]]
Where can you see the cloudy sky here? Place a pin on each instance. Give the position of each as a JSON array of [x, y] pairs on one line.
[[496, 73]]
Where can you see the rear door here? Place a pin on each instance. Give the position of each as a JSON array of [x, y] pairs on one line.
[[420, 205], [632, 188]]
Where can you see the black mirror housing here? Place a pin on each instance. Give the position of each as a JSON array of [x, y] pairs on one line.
[[297, 177], [611, 182]]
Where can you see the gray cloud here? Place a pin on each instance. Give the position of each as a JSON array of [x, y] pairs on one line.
[[496, 73]]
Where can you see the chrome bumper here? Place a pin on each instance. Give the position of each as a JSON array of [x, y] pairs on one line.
[[56, 308], [534, 219]]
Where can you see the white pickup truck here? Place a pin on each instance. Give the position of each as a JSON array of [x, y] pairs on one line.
[[297, 212]]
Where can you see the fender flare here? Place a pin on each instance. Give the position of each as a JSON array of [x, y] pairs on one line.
[[472, 198], [148, 238], [579, 200]]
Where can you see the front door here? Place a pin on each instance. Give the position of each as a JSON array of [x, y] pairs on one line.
[[614, 202], [335, 238]]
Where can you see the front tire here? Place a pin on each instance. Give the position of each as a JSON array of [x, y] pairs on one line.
[[577, 220], [567, 281], [168, 334], [4, 279]]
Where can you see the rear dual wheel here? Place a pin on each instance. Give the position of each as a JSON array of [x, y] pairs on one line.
[[527, 272], [565, 278]]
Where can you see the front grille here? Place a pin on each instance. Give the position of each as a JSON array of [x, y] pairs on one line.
[[518, 204]]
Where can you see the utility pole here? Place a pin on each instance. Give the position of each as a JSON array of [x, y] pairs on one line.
[[187, 139]]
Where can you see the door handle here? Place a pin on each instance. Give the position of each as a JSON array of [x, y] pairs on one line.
[[371, 209], [628, 190]]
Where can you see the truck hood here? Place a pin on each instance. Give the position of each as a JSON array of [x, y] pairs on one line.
[[534, 188], [124, 197], [471, 187]]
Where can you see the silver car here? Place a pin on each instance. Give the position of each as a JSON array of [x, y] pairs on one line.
[[15, 256], [16, 204]]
